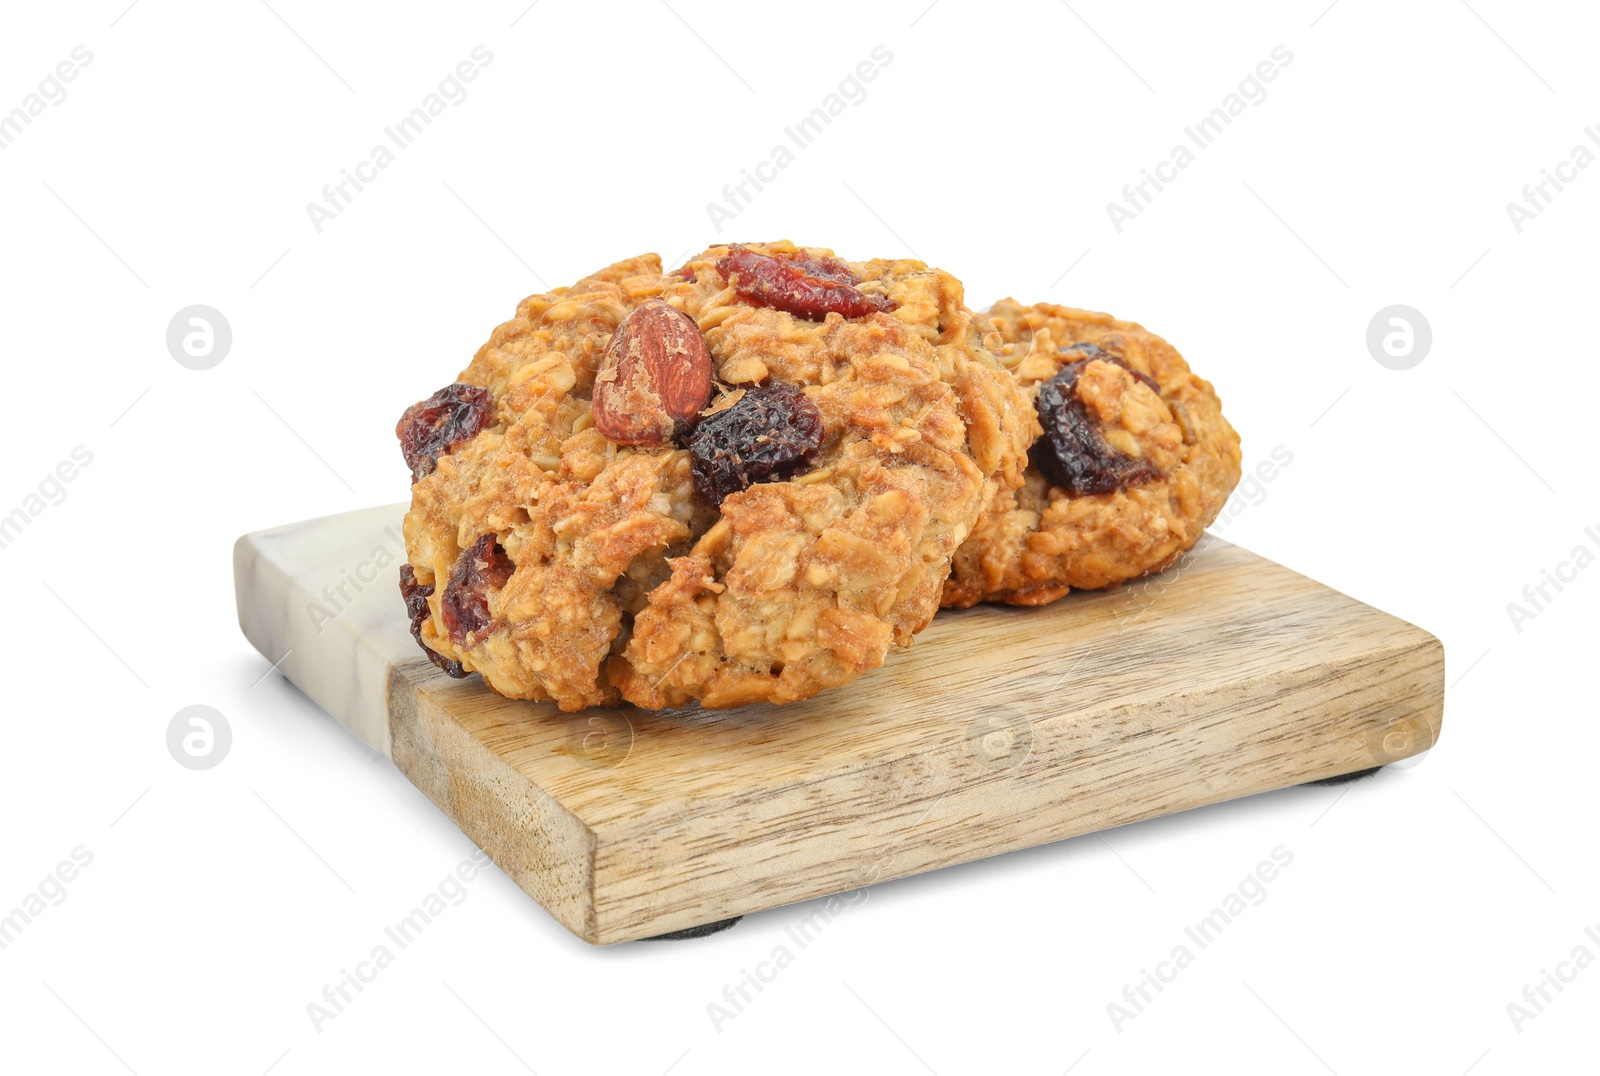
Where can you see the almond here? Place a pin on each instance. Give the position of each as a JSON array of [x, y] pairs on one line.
[[655, 377]]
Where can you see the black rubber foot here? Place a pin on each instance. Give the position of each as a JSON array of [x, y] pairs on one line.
[[1358, 775], [701, 931]]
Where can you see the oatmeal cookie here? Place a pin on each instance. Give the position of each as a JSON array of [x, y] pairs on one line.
[[742, 480], [1134, 461]]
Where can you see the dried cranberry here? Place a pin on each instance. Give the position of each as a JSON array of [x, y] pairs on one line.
[[1073, 454], [770, 434], [802, 284], [416, 597], [429, 429], [465, 606]]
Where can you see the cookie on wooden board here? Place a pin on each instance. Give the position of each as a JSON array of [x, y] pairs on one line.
[[1134, 462], [742, 480]]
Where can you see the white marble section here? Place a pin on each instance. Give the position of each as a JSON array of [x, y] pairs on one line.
[[322, 600]]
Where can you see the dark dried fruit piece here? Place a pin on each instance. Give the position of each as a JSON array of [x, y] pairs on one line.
[[773, 432], [429, 429], [1073, 454], [802, 284], [416, 597], [482, 568]]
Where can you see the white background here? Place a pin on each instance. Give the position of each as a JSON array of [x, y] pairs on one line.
[[1376, 171]]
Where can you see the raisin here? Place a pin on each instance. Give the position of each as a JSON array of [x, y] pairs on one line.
[[802, 284], [465, 606], [1073, 454], [416, 597], [773, 432], [429, 429]]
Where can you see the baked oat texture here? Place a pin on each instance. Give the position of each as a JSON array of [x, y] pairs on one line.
[[1037, 542], [608, 576]]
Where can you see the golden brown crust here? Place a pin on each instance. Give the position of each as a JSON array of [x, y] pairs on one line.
[[629, 585], [1036, 542]]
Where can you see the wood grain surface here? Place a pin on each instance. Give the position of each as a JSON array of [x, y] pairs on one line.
[[1000, 729]]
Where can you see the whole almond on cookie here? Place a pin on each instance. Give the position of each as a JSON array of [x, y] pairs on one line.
[[655, 378]]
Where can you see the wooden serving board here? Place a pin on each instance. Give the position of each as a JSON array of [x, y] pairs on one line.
[[1000, 729]]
